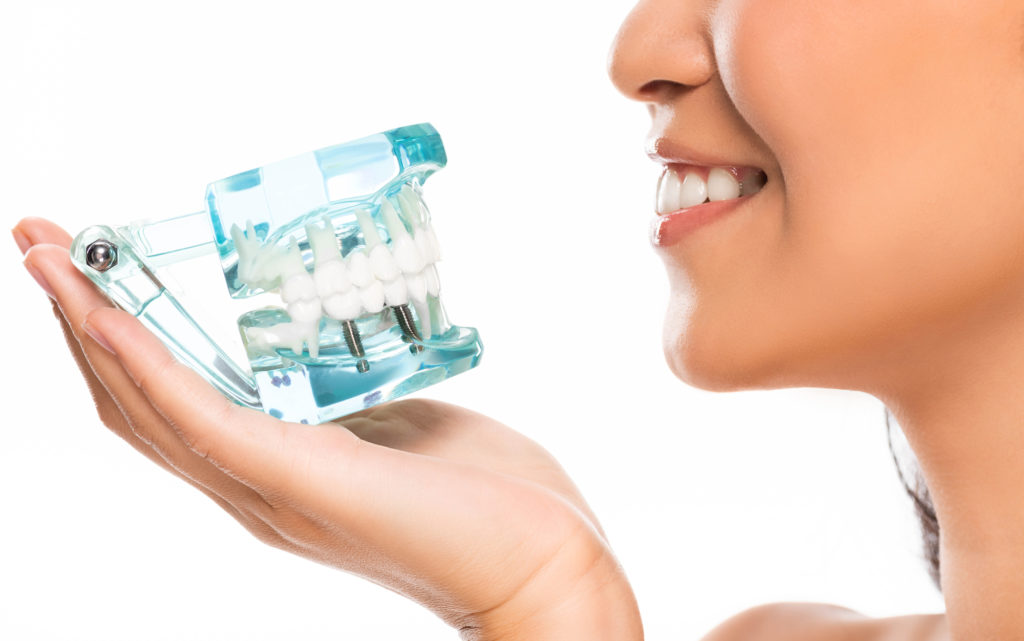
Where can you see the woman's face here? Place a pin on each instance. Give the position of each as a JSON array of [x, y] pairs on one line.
[[892, 221]]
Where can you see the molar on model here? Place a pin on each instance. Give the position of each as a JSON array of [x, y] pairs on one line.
[[299, 293], [257, 263]]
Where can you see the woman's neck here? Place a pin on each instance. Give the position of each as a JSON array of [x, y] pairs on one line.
[[963, 415]]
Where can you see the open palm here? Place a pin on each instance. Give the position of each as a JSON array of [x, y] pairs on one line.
[[441, 504]]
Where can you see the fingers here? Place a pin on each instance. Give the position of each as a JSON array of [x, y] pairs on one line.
[[246, 444], [39, 231], [122, 405], [108, 410]]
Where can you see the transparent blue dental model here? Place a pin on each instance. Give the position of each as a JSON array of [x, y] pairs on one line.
[[332, 300]]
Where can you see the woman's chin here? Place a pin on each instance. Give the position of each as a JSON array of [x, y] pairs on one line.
[[718, 357]]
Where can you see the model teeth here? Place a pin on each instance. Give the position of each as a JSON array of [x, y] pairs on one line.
[[359, 268], [378, 274], [433, 282], [676, 193], [417, 285], [332, 277], [384, 265], [305, 311], [345, 306], [396, 292]]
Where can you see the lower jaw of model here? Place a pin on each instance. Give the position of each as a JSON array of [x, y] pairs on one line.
[[394, 280]]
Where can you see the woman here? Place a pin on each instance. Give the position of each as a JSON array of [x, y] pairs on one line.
[[884, 253]]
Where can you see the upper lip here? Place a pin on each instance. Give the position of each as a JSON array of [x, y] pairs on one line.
[[666, 151]]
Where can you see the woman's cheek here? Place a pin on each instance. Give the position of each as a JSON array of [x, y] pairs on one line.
[[791, 69]]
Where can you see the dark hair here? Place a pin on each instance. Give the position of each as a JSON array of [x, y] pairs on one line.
[[917, 490]]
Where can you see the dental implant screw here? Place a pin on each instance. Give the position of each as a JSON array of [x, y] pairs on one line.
[[403, 315], [101, 255], [355, 345]]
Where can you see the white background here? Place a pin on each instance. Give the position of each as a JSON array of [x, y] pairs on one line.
[[713, 502]]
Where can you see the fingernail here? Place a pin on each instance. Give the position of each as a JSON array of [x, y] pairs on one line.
[[23, 242], [97, 336], [38, 275]]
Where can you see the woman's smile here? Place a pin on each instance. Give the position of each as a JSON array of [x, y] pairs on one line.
[[692, 195]]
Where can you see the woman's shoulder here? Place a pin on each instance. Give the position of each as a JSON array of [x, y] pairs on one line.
[[798, 621]]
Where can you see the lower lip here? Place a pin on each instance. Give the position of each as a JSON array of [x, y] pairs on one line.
[[669, 229]]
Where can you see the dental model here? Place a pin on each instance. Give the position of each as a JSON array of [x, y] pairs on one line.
[[371, 277], [335, 250]]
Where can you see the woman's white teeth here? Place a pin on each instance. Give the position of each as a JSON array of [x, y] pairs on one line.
[[722, 185], [692, 191], [678, 193]]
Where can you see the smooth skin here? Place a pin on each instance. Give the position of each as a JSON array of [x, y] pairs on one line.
[[885, 254], [886, 251], [438, 503]]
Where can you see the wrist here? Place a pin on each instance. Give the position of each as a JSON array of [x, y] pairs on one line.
[[597, 606]]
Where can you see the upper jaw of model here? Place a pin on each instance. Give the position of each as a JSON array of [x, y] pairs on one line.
[[369, 278]]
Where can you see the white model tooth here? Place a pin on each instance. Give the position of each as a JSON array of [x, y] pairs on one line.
[[385, 267], [402, 245], [423, 315], [396, 292], [369, 229], [256, 339], [417, 285], [343, 306], [411, 204], [372, 297], [722, 185], [322, 241], [693, 191], [423, 246], [359, 268], [313, 340], [246, 246], [296, 341], [407, 255], [752, 183], [257, 263], [668, 192], [331, 278], [435, 247], [298, 287], [290, 263], [305, 311], [291, 335], [433, 282]]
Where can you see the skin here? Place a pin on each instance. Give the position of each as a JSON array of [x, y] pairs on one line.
[[885, 254]]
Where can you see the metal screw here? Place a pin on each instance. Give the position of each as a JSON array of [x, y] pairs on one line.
[[355, 345], [403, 315], [101, 255]]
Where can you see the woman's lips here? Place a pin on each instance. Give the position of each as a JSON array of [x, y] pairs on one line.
[[690, 196], [668, 229]]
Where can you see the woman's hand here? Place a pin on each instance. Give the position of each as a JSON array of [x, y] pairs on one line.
[[435, 502]]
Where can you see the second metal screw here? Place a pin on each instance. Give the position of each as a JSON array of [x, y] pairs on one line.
[[403, 315], [355, 345]]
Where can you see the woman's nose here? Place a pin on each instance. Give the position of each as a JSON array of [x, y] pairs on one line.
[[662, 45]]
